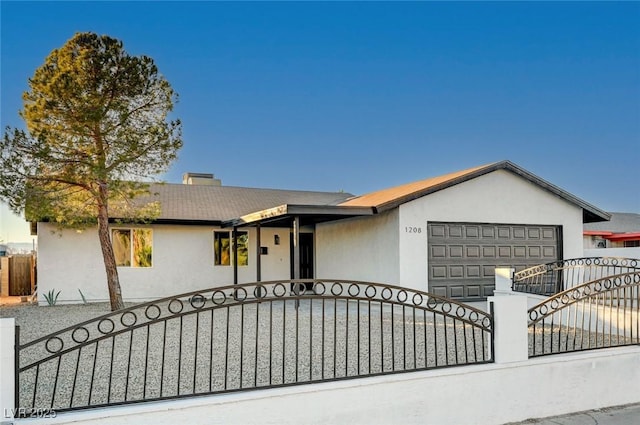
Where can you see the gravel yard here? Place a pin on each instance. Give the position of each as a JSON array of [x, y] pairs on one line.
[[36, 322], [228, 348]]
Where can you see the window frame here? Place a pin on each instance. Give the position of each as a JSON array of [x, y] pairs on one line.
[[218, 256], [132, 263]]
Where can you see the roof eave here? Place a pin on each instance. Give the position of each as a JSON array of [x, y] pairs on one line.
[[590, 213], [291, 210], [189, 222], [124, 221]]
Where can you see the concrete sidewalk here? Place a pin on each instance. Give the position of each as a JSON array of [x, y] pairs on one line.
[[619, 415]]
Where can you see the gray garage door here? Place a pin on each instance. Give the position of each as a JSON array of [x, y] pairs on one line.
[[463, 256]]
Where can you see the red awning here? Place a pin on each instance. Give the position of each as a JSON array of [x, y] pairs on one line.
[[621, 237], [596, 233]]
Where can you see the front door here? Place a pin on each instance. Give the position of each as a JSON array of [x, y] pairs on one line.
[[306, 256]]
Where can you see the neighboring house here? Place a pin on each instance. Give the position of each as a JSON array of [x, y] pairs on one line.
[[444, 234], [619, 237]]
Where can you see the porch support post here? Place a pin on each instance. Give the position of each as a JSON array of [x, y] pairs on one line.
[[296, 247], [258, 255], [234, 238], [8, 388]]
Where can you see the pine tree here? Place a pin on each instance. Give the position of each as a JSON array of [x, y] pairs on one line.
[[97, 123]]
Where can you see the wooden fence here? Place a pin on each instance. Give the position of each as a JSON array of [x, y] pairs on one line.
[[18, 275]]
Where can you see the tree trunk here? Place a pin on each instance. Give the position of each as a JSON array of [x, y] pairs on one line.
[[113, 282]]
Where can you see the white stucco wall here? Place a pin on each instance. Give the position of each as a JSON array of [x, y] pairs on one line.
[[497, 197], [359, 249], [488, 394], [183, 261]]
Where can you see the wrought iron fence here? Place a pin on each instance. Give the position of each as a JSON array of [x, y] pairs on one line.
[[552, 278], [598, 314], [249, 336]]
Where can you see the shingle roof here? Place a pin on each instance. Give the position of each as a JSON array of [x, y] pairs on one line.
[[199, 203], [181, 202], [406, 192], [619, 223], [386, 199]]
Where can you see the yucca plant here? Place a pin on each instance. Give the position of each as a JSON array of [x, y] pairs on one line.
[[84, 299], [52, 297]]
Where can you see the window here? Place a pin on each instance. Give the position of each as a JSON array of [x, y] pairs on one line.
[[243, 248], [222, 248], [631, 244], [221, 243], [132, 247]]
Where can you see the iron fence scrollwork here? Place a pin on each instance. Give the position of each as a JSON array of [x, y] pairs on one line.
[[598, 314], [552, 278], [249, 336]]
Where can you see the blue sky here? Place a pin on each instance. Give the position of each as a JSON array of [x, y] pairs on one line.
[[362, 96]]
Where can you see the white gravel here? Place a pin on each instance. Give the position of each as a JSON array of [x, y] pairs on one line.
[[219, 350]]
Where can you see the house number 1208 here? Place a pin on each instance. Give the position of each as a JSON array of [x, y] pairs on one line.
[[413, 229]]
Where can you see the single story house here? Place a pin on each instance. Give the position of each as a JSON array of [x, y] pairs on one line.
[[443, 234]]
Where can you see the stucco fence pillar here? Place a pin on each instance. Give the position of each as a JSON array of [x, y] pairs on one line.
[[510, 327], [7, 368]]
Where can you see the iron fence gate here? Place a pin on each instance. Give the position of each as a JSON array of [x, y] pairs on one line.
[[598, 314], [249, 336], [553, 278]]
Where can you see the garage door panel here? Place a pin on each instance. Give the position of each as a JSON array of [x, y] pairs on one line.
[[473, 251], [455, 231], [504, 233], [504, 251], [456, 271], [549, 252], [520, 251], [473, 291], [455, 251], [488, 271], [437, 231], [488, 232], [441, 291], [456, 291], [489, 251], [438, 272], [518, 232], [487, 290], [472, 271], [472, 231], [535, 252], [438, 251], [463, 256], [533, 233]]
